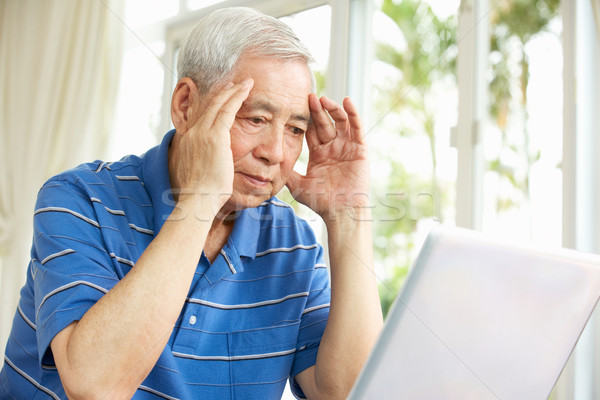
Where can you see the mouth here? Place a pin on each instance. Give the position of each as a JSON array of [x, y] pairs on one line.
[[256, 180]]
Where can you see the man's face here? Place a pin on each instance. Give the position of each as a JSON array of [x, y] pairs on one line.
[[267, 135]]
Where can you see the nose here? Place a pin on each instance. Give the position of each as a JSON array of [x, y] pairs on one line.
[[270, 148]]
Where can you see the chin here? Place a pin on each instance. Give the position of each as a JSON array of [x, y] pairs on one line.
[[239, 202]]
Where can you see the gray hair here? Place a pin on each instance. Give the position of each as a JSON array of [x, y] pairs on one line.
[[211, 50]]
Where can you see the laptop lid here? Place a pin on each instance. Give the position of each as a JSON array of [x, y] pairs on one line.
[[480, 319]]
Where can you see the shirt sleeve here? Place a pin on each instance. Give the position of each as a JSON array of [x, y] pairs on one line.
[[312, 324], [71, 268]]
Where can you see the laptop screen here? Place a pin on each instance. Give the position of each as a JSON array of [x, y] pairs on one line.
[[481, 319]]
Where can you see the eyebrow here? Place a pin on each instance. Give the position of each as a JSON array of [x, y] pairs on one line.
[[265, 105]]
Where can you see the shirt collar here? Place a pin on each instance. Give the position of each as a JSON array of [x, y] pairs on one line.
[[242, 242], [246, 231]]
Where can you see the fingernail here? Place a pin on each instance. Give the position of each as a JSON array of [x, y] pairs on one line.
[[229, 85], [247, 82]]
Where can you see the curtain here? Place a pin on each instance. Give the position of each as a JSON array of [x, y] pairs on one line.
[[596, 8], [59, 69]]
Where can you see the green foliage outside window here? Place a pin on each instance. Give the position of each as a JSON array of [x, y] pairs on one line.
[[430, 56], [424, 60]]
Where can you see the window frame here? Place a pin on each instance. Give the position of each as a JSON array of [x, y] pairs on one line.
[[473, 49], [581, 178]]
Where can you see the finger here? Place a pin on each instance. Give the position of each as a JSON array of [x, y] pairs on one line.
[[215, 101], [294, 184], [337, 113], [292, 181], [226, 104], [312, 139], [230, 108], [323, 127], [356, 127]]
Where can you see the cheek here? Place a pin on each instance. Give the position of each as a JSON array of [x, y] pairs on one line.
[[241, 144]]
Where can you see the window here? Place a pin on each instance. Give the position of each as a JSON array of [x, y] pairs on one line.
[[139, 120], [139, 13], [198, 4], [523, 140], [414, 107], [137, 125]]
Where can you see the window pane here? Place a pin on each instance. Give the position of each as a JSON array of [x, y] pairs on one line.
[[139, 101], [144, 12], [313, 28], [197, 4], [415, 105], [523, 142]]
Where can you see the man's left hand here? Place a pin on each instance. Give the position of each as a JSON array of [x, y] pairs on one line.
[[337, 177]]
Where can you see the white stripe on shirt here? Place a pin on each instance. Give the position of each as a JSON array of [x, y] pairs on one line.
[[58, 254], [236, 358], [286, 249], [66, 210], [31, 380], [247, 305]]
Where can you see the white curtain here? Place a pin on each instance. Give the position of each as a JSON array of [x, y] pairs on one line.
[[596, 8], [59, 69]]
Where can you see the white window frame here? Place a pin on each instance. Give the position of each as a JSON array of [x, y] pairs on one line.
[[581, 178], [473, 49]]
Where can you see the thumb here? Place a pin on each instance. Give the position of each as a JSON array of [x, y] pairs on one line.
[[294, 184]]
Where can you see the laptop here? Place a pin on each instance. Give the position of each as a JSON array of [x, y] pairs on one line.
[[481, 319]]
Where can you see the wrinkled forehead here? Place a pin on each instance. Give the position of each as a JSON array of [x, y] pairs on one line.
[[280, 86]]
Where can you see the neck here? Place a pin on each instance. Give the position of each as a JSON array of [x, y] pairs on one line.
[[173, 155], [217, 236]]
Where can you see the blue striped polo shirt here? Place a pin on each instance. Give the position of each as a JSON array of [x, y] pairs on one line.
[[252, 319]]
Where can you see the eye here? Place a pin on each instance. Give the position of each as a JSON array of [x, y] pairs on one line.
[[298, 131], [256, 120]]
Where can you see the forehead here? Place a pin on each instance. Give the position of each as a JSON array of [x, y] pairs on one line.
[[278, 84]]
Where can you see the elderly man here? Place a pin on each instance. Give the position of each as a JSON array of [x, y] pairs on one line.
[[178, 274]]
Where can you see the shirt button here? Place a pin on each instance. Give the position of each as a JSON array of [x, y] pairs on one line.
[[192, 320]]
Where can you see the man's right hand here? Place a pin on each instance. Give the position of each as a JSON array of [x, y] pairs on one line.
[[203, 162]]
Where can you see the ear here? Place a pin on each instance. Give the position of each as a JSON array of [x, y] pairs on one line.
[[183, 104]]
